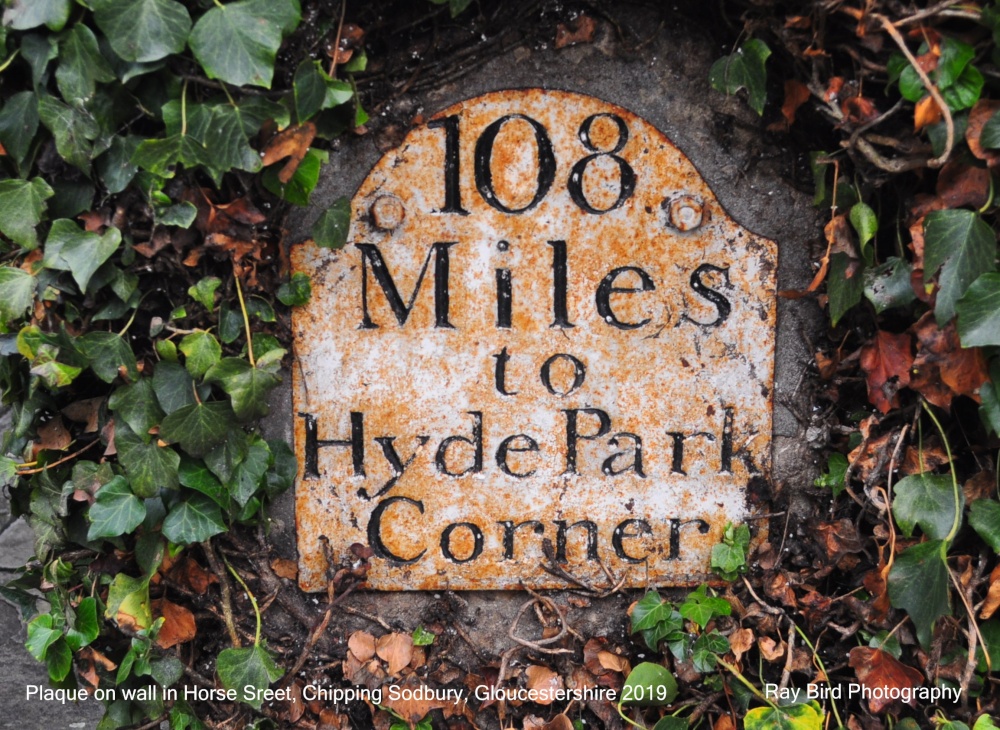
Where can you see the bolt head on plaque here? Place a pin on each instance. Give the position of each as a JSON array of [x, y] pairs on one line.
[[387, 212], [545, 372], [685, 212]]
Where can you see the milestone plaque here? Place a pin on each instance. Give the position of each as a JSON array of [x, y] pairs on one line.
[[544, 344]]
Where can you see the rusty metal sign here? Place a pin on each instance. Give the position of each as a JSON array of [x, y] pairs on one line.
[[544, 343]]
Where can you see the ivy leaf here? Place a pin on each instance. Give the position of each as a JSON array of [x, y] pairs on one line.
[[161, 156], [17, 292], [70, 248], [707, 649], [18, 124], [22, 203], [246, 385], [845, 285], [984, 516], [650, 610], [115, 511], [86, 627], [330, 230], [136, 404], [865, 222], [296, 291], [197, 476], [226, 142], [990, 137], [790, 717], [204, 291], [143, 30], [283, 469], [888, 285], [41, 636], [237, 43], [201, 351], [918, 583], [701, 608], [314, 90], [192, 520], [729, 560], [743, 69], [303, 182], [979, 312], [25, 14], [128, 602], [248, 666], [649, 685], [81, 65], [73, 129], [927, 500], [147, 465], [109, 353], [962, 245], [115, 166], [59, 661], [249, 473], [197, 427], [834, 475], [173, 386]]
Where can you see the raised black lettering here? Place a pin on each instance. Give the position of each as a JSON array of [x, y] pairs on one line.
[[500, 373], [313, 444], [370, 255], [375, 531], [560, 285], [452, 169], [561, 531], [477, 545], [441, 459], [579, 373], [509, 528], [484, 159], [508, 445], [607, 287], [573, 435], [396, 463], [722, 305], [626, 179], [675, 535], [608, 467], [621, 534]]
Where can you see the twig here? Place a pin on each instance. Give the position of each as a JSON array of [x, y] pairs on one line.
[[764, 606], [786, 672], [61, 461], [227, 606], [931, 89], [374, 619]]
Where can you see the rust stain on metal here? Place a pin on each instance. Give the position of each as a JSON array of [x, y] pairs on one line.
[[545, 340]]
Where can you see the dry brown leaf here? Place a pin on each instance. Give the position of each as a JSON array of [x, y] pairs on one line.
[[796, 94], [412, 710], [613, 662], [579, 30], [396, 650], [285, 568], [543, 680], [992, 603], [887, 360], [333, 720], [839, 538], [84, 411], [292, 143], [725, 722], [740, 642], [943, 368], [53, 436], [925, 113], [876, 668], [858, 109], [178, 624], [95, 221], [771, 650], [979, 486], [960, 185], [559, 722], [981, 113], [189, 573], [362, 645], [929, 458]]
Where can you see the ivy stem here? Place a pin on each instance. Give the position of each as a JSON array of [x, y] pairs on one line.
[[219, 5], [989, 199], [184, 118], [246, 319], [629, 720], [746, 682], [25, 472], [822, 668], [227, 605], [253, 601], [957, 521], [10, 59]]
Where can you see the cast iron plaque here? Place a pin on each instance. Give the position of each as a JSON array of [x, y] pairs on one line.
[[545, 343]]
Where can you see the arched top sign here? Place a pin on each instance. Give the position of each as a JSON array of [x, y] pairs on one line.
[[544, 344]]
